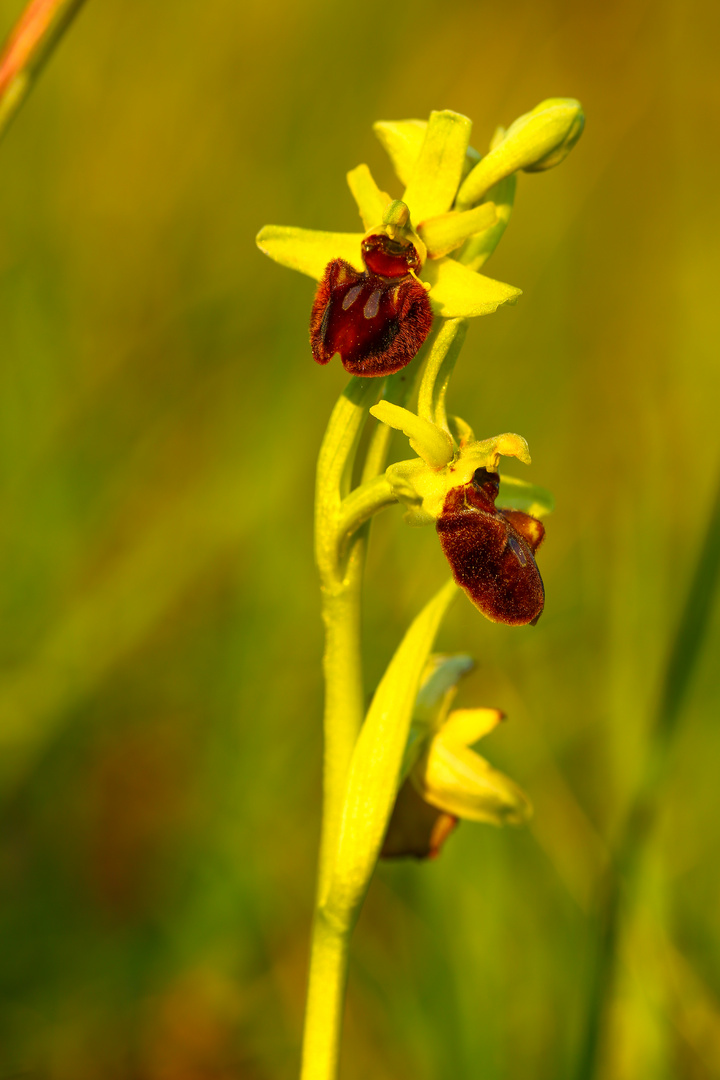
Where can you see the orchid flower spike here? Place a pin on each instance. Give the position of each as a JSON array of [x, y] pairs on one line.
[[419, 255]]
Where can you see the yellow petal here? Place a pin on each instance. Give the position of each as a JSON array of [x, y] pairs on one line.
[[458, 293], [467, 726], [446, 232], [462, 783], [402, 140], [487, 453], [436, 175], [371, 201], [308, 250], [432, 444]]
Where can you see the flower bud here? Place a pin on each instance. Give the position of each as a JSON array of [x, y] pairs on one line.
[[535, 141], [556, 124]]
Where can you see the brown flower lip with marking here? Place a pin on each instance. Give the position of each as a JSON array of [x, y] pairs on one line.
[[377, 320], [491, 552]]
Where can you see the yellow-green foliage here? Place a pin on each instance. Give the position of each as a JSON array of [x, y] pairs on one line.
[[160, 416]]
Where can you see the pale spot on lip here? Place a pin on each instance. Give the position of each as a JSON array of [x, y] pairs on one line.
[[373, 305], [351, 296]]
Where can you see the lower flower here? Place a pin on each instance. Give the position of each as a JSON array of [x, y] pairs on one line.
[[416, 828], [454, 483], [447, 780], [492, 552]]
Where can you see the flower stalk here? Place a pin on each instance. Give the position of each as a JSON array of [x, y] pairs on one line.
[[401, 293], [340, 557]]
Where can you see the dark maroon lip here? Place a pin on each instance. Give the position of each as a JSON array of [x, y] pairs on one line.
[[492, 552], [376, 319], [389, 258]]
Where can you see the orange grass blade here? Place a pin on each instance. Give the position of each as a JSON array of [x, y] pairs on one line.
[[29, 45]]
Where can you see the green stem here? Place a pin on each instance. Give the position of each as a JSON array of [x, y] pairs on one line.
[[340, 569], [340, 563], [344, 697], [29, 45], [326, 994], [341, 533], [364, 502], [438, 369]]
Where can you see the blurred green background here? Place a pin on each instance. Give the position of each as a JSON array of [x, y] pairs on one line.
[[160, 691]]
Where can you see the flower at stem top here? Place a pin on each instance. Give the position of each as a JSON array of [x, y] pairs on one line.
[[371, 306]]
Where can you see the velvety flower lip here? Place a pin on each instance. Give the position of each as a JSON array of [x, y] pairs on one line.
[[376, 320], [492, 552]]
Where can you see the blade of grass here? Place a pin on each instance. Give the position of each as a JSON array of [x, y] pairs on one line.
[[684, 655], [28, 47]]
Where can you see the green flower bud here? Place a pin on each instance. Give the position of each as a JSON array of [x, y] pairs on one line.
[[556, 124], [535, 141]]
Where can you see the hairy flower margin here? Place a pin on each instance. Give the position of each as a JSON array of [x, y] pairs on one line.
[[453, 211]]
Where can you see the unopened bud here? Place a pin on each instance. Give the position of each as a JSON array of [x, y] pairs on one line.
[[537, 140]]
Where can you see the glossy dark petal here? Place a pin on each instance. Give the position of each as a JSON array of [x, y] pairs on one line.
[[490, 552], [376, 324], [387, 257]]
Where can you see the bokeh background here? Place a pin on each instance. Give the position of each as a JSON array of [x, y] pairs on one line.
[[160, 693]]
